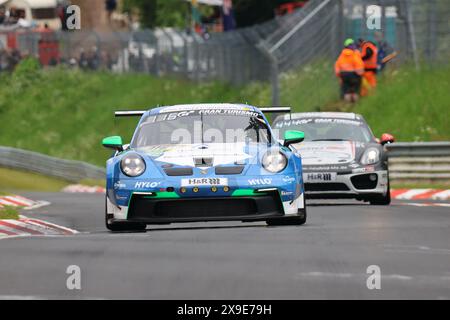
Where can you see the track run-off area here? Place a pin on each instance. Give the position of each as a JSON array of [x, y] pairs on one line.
[[328, 258]]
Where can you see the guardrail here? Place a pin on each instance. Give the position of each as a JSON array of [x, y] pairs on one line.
[[424, 162], [421, 162], [69, 170]]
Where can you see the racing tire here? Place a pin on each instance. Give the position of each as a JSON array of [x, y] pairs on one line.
[[122, 226], [290, 221], [382, 200]]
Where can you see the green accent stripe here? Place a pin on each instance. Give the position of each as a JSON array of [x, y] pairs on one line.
[[246, 193], [166, 195]]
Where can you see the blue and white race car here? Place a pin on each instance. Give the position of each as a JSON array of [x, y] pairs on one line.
[[203, 162]]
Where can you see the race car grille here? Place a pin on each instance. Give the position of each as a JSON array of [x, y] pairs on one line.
[[364, 181], [143, 208], [202, 208], [177, 172], [229, 170], [203, 162], [315, 187]]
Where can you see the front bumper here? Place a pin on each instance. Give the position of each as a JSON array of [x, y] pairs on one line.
[[168, 207], [349, 185]]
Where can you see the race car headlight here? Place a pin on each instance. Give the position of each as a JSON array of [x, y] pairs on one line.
[[274, 162], [371, 156], [132, 165]]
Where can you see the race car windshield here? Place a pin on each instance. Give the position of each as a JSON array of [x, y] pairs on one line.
[[199, 128], [321, 129]]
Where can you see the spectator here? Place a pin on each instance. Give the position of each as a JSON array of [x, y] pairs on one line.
[[83, 61], [13, 58], [349, 68], [2, 15], [369, 54], [94, 59], [110, 6], [13, 16], [385, 51]]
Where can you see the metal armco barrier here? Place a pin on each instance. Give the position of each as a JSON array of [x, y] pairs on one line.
[[422, 162], [427, 162], [69, 170]]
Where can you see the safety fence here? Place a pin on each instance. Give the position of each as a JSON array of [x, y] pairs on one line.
[[412, 163], [418, 30], [69, 170], [408, 163]]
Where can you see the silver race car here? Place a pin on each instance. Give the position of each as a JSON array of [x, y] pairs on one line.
[[341, 156]]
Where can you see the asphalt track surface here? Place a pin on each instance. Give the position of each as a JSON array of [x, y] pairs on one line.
[[325, 259]]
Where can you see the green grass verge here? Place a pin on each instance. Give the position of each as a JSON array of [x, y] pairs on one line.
[[10, 213], [412, 105], [66, 113], [15, 180]]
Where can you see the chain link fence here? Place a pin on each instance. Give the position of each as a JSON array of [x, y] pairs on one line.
[[418, 30]]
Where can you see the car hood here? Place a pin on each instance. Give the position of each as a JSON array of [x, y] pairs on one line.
[[329, 152], [204, 155]]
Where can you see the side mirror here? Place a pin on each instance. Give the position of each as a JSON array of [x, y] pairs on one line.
[[386, 138], [292, 137], [114, 142]]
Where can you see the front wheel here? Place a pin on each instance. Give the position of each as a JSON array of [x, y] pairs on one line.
[[122, 226], [298, 220], [382, 200], [125, 226], [288, 221]]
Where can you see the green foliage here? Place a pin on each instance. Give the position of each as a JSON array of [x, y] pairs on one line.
[[9, 213], [27, 67], [159, 13], [412, 105], [176, 13], [66, 113], [15, 180]]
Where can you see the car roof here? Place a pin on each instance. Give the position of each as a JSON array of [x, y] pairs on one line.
[[333, 115], [202, 106]]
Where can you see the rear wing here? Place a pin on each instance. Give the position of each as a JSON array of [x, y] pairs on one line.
[[140, 113], [129, 113], [275, 109], [275, 112]]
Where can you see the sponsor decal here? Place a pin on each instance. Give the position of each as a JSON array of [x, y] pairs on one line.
[[289, 123], [255, 182], [339, 121], [288, 179], [119, 185], [146, 185], [327, 153], [197, 182], [325, 168], [323, 176], [167, 117], [203, 112], [222, 154], [287, 193], [188, 107], [363, 170]]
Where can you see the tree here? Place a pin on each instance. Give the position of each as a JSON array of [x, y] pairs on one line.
[[176, 13], [159, 13]]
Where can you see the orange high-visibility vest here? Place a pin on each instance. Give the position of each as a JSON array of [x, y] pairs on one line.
[[369, 54], [349, 61]]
